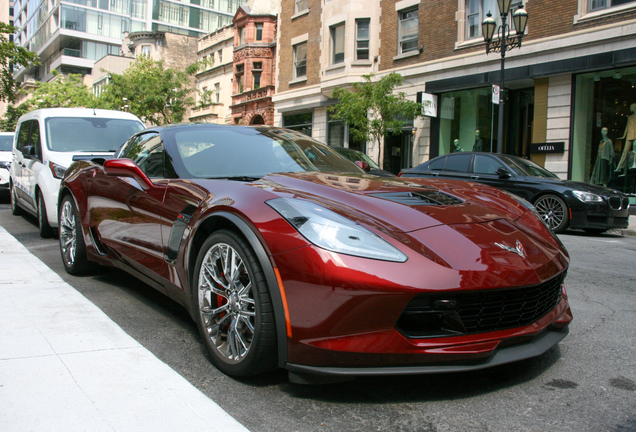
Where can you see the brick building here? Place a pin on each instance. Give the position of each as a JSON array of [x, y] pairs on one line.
[[254, 63], [574, 74]]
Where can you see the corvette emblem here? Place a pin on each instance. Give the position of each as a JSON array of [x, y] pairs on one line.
[[518, 250]]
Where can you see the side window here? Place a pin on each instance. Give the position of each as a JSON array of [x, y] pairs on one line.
[[437, 164], [486, 165], [457, 163], [23, 135], [35, 139], [147, 152]]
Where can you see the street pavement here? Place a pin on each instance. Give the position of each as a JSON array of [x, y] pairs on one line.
[[66, 366]]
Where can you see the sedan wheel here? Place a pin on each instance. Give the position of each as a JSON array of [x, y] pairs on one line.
[[15, 208], [45, 229], [72, 246], [554, 212], [233, 307]]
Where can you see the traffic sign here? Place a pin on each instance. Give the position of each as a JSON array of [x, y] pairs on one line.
[[495, 94]]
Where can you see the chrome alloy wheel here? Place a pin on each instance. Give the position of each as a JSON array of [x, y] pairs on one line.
[[226, 302], [552, 209], [68, 233]]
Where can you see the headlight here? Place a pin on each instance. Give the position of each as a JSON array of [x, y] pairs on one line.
[[333, 232], [5, 164], [587, 197], [57, 170]]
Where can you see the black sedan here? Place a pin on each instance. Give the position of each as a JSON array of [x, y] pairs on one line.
[[367, 163], [561, 203]]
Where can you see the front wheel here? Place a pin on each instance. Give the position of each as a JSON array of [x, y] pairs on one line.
[[72, 246], [233, 307], [554, 212], [43, 222]]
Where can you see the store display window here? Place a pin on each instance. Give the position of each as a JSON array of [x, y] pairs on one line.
[[604, 129]]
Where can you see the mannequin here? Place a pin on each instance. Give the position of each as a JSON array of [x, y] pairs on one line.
[[457, 147], [604, 160], [629, 136], [479, 144]]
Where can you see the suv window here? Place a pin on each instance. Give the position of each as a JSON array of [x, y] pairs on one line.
[[486, 165], [437, 164], [23, 135], [35, 139], [457, 163]]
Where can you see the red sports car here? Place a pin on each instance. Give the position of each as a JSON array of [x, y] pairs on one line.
[[288, 255]]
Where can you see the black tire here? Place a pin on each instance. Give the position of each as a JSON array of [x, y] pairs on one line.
[[16, 210], [234, 314], [554, 212], [43, 223], [72, 245]]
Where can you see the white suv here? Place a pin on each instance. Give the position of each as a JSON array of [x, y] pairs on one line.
[[46, 143], [6, 142]]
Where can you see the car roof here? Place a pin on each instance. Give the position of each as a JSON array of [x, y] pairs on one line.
[[77, 112]]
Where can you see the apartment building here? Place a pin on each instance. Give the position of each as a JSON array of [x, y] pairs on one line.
[[254, 63], [574, 75], [6, 16], [71, 35]]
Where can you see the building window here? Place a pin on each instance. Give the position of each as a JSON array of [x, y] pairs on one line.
[[408, 30], [220, 56], [300, 60], [337, 43], [257, 69], [476, 11], [242, 36], [145, 50], [302, 5], [299, 122], [259, 32], [217, 93], [362, 39], [604, 4], [336, 132], [239, 78]]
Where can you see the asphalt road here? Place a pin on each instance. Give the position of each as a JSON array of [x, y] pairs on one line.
[[586, 383]]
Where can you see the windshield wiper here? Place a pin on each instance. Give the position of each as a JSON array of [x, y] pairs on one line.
[[236, 178]]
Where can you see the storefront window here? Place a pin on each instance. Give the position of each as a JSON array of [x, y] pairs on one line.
[[604, 129], [300, 122], [468, 121]]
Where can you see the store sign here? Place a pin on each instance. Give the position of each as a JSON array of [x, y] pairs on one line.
[[552, 147], [429, 105], [448, 109]]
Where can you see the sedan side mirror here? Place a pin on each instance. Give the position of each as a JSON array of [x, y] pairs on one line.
[[502, 173], [365, 166], [127, 168]]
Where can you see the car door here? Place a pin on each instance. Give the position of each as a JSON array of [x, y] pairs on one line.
[[489, 170], [127, 217], [33, 163], [24, 159]]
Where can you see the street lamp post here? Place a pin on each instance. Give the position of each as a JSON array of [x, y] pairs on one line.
[[505, 42]]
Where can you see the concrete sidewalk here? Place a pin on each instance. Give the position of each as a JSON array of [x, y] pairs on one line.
[[631, 229], [65, 366]]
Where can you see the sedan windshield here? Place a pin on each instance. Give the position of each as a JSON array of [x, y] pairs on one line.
[[244, 152], [528, 168], [6, 141], [88, 134]]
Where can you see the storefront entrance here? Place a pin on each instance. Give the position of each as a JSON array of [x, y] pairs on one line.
[[398, 150]]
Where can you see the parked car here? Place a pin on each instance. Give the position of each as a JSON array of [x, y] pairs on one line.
[[561, 203], [47, 141], [6, 141], [288, 255], [358, 156]]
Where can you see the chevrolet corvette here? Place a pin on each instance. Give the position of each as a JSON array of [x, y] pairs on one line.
[[287, 255]]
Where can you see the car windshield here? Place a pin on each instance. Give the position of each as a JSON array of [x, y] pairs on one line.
[[528, 168], [6, 142], [354, 155], [88, 134], [244, 153]]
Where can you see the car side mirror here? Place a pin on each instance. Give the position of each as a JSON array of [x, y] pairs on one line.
[[28, 151], [365, 166], [502, 173], [127, 168]]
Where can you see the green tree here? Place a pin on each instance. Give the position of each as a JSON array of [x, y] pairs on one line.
[[11, 54], [159, 95], [61, 92], [373, 111]]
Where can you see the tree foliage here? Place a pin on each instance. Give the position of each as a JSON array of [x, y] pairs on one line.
[[61, 92], [373, 111], [158, 95], [11, 54]]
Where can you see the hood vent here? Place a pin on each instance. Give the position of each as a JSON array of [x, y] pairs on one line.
[[422, 198]]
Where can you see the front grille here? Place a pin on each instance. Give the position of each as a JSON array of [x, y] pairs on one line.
[[618, 203], [449, 314]]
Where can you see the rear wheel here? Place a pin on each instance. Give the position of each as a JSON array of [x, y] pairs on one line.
[[72, 246], [45, 229], [15, 208], [554, 212], [233, 307]]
